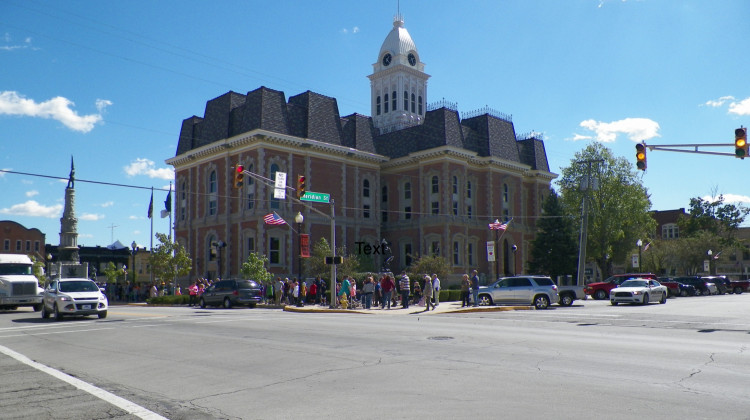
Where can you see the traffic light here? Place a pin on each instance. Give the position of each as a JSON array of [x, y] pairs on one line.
[[640, 156], [740, 142], [301, 187], [239, 176]]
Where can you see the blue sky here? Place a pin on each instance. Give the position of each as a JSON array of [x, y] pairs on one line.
[[111, 82]]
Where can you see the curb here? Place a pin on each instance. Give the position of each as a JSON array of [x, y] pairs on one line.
[[289, 308]]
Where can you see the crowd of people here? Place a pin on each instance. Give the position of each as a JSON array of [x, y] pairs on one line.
[[384, 292]]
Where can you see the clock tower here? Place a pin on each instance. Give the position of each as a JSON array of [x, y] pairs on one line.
[[398, 82]]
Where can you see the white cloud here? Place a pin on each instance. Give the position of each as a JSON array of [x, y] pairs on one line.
[[577, 137], [134, 217], [91, 217], [34, 209], [729, 198], [637, 129], [32, 193], [715, 103], [10, 47], [143, 166], [57, 108], [740, 108], [354, 30], [108, 204]]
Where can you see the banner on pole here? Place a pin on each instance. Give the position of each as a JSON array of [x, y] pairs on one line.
[[304, 245], [490, 251]]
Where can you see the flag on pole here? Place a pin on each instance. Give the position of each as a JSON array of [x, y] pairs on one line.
[[496, 225], [716, 257], [167, 205], [645, 248], [151, 206], [273, 219]]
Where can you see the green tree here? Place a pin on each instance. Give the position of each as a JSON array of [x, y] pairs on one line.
[[112, 272], [714, 216], [554, 250], [255, 268], [38, 270], [428, 264], [619, 204], [169, 260], [316, 266]]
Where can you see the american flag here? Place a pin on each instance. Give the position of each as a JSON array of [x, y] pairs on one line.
[[498, 226], [273, 219]]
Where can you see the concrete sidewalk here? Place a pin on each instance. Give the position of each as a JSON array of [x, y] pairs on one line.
[[442, 308]]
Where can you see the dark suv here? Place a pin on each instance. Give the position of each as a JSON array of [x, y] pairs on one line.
[[228, 293]]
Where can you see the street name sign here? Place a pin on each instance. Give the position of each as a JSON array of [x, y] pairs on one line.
[[316, 197]]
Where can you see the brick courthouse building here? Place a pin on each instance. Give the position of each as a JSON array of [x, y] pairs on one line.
[[420, 177]]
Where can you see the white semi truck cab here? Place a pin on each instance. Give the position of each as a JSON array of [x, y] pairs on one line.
[[18, 286]]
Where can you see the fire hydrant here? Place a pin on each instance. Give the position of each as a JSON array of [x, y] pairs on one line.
[[344, 301]]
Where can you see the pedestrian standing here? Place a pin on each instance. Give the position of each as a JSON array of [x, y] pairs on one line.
[[436, 289], [278, 290], [428, 293], [387, 285], [367, 290], [475, 287], [465, 287], [405, 289], [193, 291]]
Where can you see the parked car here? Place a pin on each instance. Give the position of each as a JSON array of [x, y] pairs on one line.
[[600, 290], [702, 287], [686, 289], [73, 296], [641, 291], [728, 286], [229, 293], [539, 291]]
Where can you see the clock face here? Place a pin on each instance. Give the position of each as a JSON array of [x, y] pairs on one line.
[[387, 59], [412, 59]]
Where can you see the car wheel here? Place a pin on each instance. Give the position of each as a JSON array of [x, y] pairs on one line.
[[683, 293], [645, 299], [541, 302], [600, 295], [566, 299], [485, 300], [227, 303], [663, 299], [45, 313], [102, 314], [738, 290], [203, 304], [613, 303], [57, 314]]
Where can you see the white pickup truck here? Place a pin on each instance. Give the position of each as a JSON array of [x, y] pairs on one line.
[[18, 286]]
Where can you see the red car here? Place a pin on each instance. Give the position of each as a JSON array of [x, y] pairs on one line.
[[601, 289]]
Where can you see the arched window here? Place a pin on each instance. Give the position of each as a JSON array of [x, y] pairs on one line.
[[386, 104], [394, 100], [407, 191], [435, 185], [366, 188], [455, 184], [384, 194], [412, 103], [213, 200], [406, 101], [183, 200], [419, 102], [377, 108], [250, 189]]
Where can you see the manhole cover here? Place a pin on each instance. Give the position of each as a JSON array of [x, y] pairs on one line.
[[440, 338]]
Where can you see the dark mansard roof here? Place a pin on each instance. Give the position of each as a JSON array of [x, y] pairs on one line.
[[314, 116]]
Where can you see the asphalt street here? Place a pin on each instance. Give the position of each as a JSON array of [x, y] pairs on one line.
[[685, 359]]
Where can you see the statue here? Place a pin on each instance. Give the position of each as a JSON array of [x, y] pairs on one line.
[[72, 176], [388, 255]]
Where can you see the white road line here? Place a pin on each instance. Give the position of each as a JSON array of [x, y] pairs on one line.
[[113, 399]]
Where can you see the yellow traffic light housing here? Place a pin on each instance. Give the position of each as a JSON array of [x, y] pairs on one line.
[[301, 187], [640, 156], [740, 142], [239, 176]]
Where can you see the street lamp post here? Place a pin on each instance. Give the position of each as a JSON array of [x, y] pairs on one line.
[[640, 255], [709, 253], [134, 247], [299, 218]]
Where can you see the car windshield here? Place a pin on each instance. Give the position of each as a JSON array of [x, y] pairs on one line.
[[247, 284], [78, 286], [635, 283], [15, 269]]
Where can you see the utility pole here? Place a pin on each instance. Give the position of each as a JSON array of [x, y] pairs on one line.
[[586, 185]]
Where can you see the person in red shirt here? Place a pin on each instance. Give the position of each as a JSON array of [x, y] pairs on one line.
[[387, 285], [193, 291]]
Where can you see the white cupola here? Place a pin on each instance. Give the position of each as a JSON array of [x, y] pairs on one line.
[[398, 82]]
